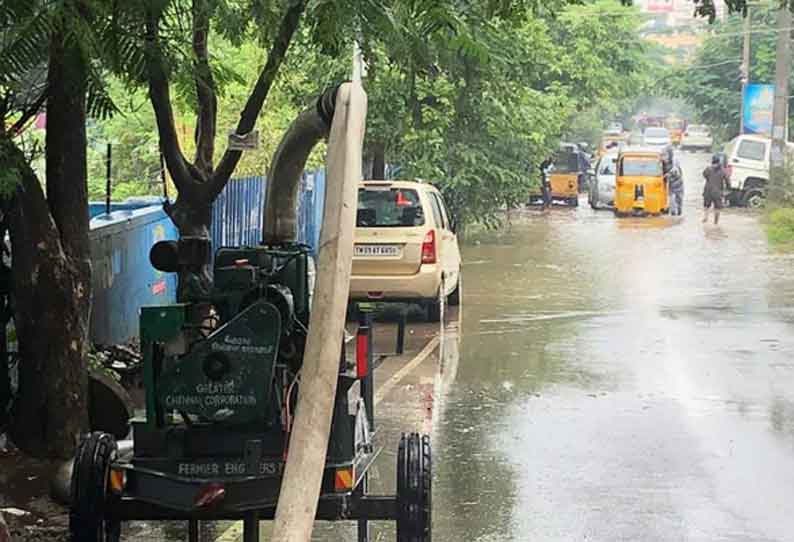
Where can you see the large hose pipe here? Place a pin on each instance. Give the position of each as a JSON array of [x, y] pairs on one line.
[[280, 217]]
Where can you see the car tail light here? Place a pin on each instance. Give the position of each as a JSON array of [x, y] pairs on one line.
[[429, 247]]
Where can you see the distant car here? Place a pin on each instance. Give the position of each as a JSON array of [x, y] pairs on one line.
[[602, 185], [697, 137], [656, 137], [615, 128], [406, 249]]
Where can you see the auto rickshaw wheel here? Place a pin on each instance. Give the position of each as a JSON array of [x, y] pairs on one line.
[[89, 485], [414, 488], [573, 202]]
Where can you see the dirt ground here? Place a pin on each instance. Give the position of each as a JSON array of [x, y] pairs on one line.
[[24, 498]]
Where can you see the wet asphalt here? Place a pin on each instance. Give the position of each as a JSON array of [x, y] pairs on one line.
[[621, 379]]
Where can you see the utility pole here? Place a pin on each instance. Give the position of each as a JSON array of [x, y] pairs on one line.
[[780, 111], [745, 66]]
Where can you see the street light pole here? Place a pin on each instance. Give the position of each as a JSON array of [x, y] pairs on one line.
[[745, 66], [780, 111]]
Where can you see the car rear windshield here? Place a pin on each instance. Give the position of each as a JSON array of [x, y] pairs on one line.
[[700, 130], [388, 208], [641, 167], [752, 150]]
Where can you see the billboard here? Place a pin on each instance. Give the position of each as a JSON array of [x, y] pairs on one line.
[[758, 102]]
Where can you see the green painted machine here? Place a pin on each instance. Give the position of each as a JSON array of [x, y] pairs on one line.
[[222, 376]]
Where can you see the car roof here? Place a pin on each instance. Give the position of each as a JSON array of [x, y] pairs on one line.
[[398, 183], [641, 150]]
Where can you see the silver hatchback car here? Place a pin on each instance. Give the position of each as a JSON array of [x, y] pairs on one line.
[[602, 184]]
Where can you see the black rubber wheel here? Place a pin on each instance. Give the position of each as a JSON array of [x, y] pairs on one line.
[[454, 298], [92, 461], [573, 202], [414, 488], [754, 199], [433, 308]]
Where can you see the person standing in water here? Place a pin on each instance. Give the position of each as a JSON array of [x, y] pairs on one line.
[[675, 181], [546, 168], [716, 182]]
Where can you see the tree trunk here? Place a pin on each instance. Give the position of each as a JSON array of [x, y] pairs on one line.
[[378, 161], [51, 269], [192, 219]]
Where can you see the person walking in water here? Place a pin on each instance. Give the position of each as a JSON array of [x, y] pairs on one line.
[[716, 182], [546, 168], [675, 180]]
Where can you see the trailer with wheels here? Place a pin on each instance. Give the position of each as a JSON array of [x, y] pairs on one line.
[[222, 373]]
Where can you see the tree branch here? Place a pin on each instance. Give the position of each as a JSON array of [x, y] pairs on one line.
[[258, 95], [206, 121], [28, 114], [160, 96]]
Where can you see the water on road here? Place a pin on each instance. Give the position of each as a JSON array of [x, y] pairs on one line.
[[622, 379], [606, 380]]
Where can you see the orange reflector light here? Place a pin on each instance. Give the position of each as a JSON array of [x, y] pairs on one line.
[[343, 481], [209, 495], [118, 479]]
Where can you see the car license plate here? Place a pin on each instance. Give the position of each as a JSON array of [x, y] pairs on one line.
[[377, 250]]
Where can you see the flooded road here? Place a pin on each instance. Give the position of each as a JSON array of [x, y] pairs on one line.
[[621, 380], [605, 380]]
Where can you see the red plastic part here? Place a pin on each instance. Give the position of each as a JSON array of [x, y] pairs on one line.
[[362, 355]]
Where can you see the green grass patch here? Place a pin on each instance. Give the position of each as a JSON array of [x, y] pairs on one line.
[[780, 226]]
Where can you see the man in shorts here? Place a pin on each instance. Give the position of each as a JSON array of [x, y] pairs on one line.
[[716, 181]]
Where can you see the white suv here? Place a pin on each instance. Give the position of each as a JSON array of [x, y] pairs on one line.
[[748, 159]]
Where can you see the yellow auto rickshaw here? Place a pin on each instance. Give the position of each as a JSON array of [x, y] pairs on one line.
[[564, 177], [640, 188], [676, 127], [568, 168]]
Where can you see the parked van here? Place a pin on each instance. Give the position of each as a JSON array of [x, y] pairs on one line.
[[748, 159], [406, 249]]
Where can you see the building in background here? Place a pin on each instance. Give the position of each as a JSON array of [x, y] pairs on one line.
[[673, 25]]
